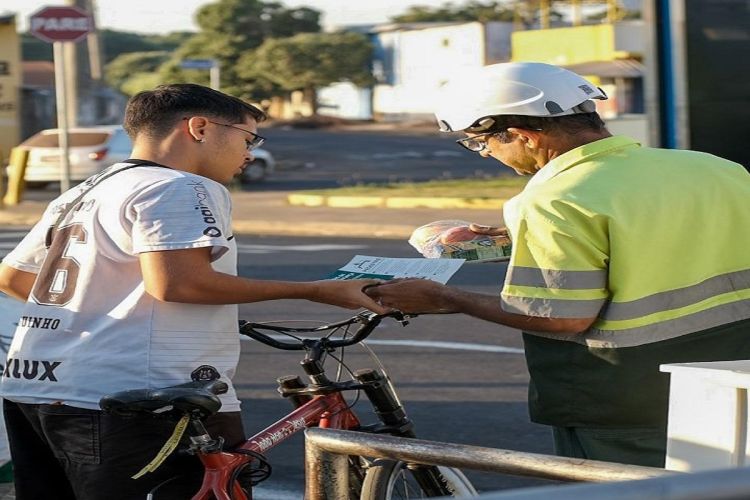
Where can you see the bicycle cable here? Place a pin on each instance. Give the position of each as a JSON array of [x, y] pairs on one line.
[[247, 473], [349, 406], [374, 357]]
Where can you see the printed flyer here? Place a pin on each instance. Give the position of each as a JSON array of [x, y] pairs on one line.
[[369, 267]]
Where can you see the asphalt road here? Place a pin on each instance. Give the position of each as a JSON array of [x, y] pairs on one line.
[[453, 395], [471, 393], [329, 158]]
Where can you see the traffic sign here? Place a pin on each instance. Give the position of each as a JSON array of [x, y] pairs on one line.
[[198, 63], [60, 24]]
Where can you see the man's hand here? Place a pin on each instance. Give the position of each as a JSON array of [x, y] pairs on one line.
[[349, 294], [413, 296]]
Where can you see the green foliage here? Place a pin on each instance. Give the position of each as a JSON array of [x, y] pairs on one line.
[[126, 67], [310, 60], [34, 49], [472, 11], [525, 12], [622, 15], [114, 43], [231, 29], [140, 81]]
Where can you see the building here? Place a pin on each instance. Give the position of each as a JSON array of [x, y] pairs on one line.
[[610, 55], [10, 84], [410, 63]]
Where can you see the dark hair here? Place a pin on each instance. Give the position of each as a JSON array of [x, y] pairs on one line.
[[155, 112], [568, 124]]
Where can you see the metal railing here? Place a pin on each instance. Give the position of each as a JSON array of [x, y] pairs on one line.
[[327, 450]]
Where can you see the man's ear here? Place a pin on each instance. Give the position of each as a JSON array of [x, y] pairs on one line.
[[196, 126], [531, 138]]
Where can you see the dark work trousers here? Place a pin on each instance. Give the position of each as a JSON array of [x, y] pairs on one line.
[[69, 453], [637, 446]]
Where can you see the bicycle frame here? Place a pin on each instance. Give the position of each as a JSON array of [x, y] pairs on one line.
[[321, 403], [326, 411]]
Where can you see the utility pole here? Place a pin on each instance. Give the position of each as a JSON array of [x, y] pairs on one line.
[[82, 64], [93, 42]]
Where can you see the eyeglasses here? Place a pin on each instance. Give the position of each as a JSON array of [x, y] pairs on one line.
[[474, 143], [251, 144], [478, 143]]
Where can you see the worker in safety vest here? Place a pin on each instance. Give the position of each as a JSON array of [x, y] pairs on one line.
[[624, 258]]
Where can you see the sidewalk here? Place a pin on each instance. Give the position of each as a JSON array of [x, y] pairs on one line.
[[270, 213]]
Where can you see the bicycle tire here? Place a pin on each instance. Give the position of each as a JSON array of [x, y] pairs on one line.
[[392, 480]]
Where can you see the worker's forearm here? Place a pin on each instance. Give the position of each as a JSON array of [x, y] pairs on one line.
[[488, 307]]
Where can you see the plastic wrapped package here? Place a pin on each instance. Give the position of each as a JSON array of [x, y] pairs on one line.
[[452, 239]]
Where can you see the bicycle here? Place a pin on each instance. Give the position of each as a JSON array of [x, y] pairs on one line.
[[231, 474]]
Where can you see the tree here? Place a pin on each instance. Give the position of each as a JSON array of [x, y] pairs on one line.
[[34, 49], [622, 15], [140, 82], [310, 60], [507, 11], [472, 11], [126, 67], [114, 43], [231, 29]]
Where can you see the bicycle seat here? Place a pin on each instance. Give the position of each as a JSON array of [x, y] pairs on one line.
[[196, 398]]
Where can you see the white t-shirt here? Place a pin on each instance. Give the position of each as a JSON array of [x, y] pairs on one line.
[[89, 328]]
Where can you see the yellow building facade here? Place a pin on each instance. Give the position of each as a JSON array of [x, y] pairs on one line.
[[10, 85]]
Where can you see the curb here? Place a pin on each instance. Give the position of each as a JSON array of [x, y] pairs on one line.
[[334, 201]]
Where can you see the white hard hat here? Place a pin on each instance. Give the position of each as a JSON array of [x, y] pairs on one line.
[[517, 88]]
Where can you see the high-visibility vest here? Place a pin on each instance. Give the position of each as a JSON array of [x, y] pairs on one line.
[[654, 243]]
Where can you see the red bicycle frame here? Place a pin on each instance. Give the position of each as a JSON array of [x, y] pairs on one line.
[[328, 411]]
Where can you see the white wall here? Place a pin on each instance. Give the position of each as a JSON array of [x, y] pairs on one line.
[[422, 60], [345, 100], [634, 126]]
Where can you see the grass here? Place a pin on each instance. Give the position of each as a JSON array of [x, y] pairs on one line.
[[487, 188]]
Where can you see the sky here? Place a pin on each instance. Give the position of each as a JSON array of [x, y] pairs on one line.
[[163, 16]]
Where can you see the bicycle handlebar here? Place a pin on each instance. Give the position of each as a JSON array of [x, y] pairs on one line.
[[368, 321]]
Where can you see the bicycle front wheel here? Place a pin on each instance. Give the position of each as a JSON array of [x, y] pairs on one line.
[[393, 480]]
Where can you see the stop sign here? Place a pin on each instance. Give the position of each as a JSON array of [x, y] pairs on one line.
[[60, 24]]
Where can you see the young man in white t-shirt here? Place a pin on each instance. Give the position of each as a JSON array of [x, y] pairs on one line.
[[131, 282]]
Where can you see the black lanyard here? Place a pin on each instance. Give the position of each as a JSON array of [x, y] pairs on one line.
[[92, 184]]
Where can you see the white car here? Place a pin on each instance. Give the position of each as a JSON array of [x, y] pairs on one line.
[[94, 148]]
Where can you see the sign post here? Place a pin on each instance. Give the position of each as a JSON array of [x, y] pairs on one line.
[[212, 65], [59, 25]]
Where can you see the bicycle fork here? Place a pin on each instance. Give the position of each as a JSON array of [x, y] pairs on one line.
[[390, 411], [387, 406]]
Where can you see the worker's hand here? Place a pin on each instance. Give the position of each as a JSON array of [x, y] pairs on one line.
[[413, 296], [488, 230]]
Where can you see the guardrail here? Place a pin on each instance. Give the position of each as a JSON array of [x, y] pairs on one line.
[[326, 462]]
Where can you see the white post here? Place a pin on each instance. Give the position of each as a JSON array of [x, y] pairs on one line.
[[62, 115], [215, 75]]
